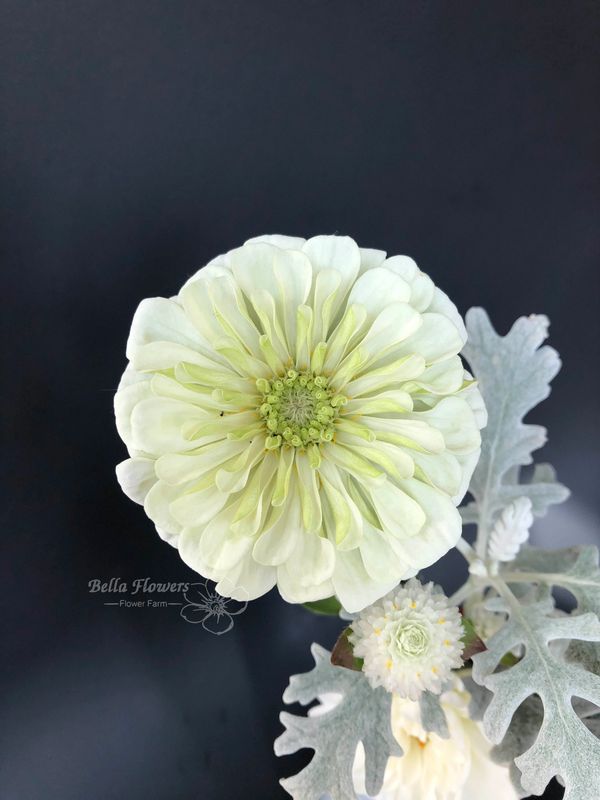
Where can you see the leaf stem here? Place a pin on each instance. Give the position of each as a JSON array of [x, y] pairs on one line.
[[461, 594], [466, 550]]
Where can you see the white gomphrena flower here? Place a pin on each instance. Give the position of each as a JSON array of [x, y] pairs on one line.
[[410, 640], [299, 415]]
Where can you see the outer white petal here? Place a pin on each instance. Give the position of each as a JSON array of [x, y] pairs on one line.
[[178, 468], [125, 401], [157, 506], [136, 477], [215, 546], [340, 253], [438, 338], [400, 514], [444, 470], [157, 424], [444, 377], [278, 542], [379, 557], [215, 268], [396, 324], [217, 309], [168, 537], [312, 561], [404, 266], [276, 239], [473, 397], [293, 591], [370, 258], [441, 304], [441, 531], [160, 320], [247, 581], [376, 289], [353, 585], [285, 274], [197, 507], [453, 417], [421, 286], [468, 464]]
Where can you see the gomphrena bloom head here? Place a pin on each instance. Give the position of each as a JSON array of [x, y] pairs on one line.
[[298, 415], [410, 640]]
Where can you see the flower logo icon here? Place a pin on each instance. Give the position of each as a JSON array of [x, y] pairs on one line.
[[207, 607]]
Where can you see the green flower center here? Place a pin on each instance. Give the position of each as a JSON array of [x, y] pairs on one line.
[[299, 409], [411, 640]]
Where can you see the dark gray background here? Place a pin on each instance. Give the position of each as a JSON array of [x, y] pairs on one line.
[[140, 139]]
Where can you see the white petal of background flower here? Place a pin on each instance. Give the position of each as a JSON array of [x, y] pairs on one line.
[[432, 768], [298, 415]]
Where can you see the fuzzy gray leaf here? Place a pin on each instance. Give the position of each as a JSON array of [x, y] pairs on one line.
[[514, 375], [361, 715], [575, 569], [433, 717], [563, 746], [480, 698], [511, 530], [519, 737]]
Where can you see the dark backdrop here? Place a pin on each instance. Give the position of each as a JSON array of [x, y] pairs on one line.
[[140, 139]]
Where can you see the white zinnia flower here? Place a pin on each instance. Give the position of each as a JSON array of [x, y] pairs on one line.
[[432, 768], [410, 640], [299, 415]]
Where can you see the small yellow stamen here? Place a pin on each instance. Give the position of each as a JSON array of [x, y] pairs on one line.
[[413, 604], [377, 631], [441, 620], [388, 663]]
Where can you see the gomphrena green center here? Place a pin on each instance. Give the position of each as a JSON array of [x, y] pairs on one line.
[[299, 409], [411, 640]]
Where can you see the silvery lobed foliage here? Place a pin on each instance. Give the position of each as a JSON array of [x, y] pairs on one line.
[[541, 712], [511, 530], [361, 715], [546, 736], [514, 375], [563, 746], [433, 718]]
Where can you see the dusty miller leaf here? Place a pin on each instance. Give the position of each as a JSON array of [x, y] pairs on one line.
[[519, 737], [563, 746], [575, 569], [511, 530], [514, 375], [479, 698], [433, 718], [362, 715]]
